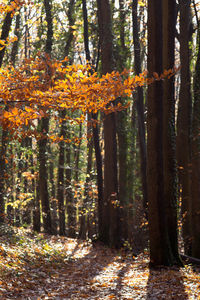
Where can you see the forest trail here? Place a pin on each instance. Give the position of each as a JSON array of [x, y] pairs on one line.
[[38, 266]]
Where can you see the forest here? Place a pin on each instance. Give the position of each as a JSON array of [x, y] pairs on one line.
[[99, 149]]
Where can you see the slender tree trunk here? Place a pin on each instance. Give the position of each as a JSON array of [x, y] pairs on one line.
[[157, 223], [110, 230], [4, 143], [195, 205], [43, 176], [95, 130], [184, 125], [140, 104], [36, 210], [77, 155], [98, 157], [15, 46], [44, 127], [5, 33], [70, 35], [71, 208], [169, 137], [121, 126], [60, 184], [4, 135], [52, 193]]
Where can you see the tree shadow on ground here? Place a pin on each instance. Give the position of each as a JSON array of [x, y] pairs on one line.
[[166, 283], [58, 277]]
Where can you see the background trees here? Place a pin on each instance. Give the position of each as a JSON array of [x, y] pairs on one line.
[[75, 167]]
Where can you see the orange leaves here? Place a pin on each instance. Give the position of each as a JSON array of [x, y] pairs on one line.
[[12, 7], [42, 86]]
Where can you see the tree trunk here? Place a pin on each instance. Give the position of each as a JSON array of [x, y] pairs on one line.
[[160, 132], [15, 46], [195, 205], [184, 125], [4, 143], [43, 176], [4, 135], [71, 208], [44, 127], [140, 104], [60, 184], [109, 234], [169, 137]]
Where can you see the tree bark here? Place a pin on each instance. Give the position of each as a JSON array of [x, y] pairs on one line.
[[109, 234], [169, 137], [44, 127], [195, 205], [60, 184], [140, 104], [184, 125], [160, 132]]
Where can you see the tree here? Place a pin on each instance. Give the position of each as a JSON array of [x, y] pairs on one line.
[[184, 118], [140, 103], [4, 134], [160, 134], [195, 204], [44, 128], [109, 234]]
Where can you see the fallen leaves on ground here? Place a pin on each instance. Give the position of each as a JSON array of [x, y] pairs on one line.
[[38, 266]]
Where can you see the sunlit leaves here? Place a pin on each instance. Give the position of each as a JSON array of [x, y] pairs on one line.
[[42, 86]]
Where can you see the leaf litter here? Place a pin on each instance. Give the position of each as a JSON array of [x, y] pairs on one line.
[[39, 266]]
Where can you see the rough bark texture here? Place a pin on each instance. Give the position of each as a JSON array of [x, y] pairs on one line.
[[169, 138], [44, 127], [60, 184], [154, 136], [140, 103], [160, 129], [196, 159], [110, 228], [184, 124], [122, 123], [43, 176]]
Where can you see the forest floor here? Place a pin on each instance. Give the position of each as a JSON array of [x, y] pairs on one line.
[[38, 266]]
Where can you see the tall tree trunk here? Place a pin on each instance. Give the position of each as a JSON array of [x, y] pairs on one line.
[[157, 222], [5, 33], [140, 103], [4, 143], [169, 137], [95, 130], [4, 135], [70, 35], [184, 124], [195, 205], [44, 127], [109, 234], [15, 46], [36, 210], [60, 184], [98, 157], [43, 176], [163, 243], [71, 208], [121, 126]]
